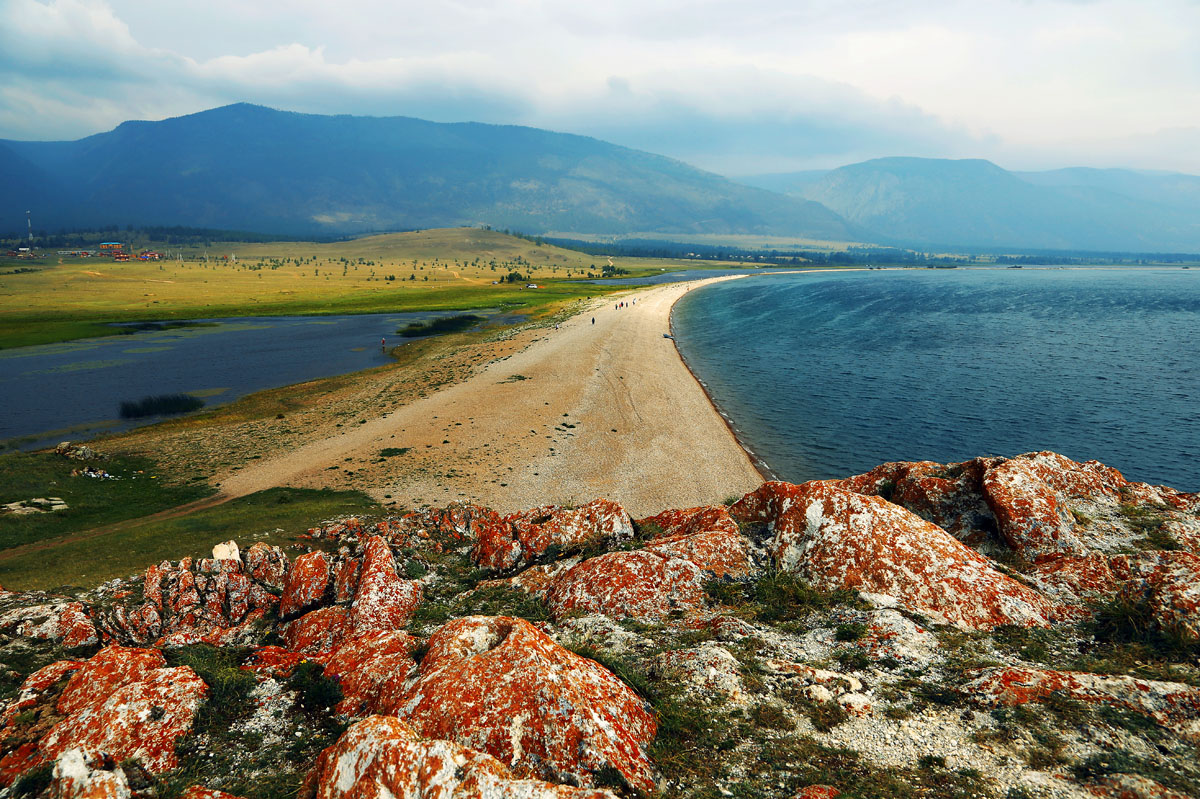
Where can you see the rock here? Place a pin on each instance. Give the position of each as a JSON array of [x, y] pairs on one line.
[[690, 521], [719, 553], [384, 601], [501, 686], [65, 622], [641, 584], [818, 792], [383, 758], [1171, 704], [372, 671], [319, 631], [227, 551], [600, 520], [705, 669], [1169, 582], [1132, 786], [835, 539], [307, 584], [120, 704], [76, 778], [267, 565], [1031, 512], [890, 634], [274, 661], [35, 687]]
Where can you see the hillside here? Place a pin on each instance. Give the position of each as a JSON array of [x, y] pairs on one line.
[[974, 203], [247, 167], [1002, 628]]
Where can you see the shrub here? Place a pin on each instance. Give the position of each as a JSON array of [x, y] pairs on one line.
[[850, 632], [315, 691], [444, 324], [160, 405]]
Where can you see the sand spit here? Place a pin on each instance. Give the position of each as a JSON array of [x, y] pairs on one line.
[[589, 409]]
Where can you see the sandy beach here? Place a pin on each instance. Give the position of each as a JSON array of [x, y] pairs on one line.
[[587, 409]]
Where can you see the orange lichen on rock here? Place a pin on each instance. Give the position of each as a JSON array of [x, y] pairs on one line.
[[307, 584], [640, 584], [839, 539], [383, 758], [501, 686]]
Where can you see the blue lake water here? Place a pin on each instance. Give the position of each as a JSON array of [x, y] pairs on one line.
[[830, 374], [74, 389]]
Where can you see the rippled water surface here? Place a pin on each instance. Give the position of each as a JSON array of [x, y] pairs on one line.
[[829, 374]]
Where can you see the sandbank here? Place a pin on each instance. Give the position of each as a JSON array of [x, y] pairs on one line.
[[602, 408]]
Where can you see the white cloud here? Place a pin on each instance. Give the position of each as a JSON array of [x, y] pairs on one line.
[[720, 82]]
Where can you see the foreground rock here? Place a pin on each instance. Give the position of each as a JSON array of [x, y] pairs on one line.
[[122, 704], [839, 539], [500, 686], [382, 758]]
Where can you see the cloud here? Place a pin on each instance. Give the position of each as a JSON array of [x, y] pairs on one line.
[[751, 85]]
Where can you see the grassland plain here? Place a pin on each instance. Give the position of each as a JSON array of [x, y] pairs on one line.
[[455, 269]]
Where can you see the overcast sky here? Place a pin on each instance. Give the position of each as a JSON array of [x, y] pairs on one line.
[[736, 86]]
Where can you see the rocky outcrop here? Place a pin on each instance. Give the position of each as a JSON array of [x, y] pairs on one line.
[[382, 758], [68, 623], [689, 521], [643, 584], [839, 539], [1171, 704], [373, 671], [501, 686], [307, 583], [120, 704]]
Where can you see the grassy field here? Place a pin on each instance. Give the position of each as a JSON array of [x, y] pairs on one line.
[[275, 516], [137, 489], [435, 270]]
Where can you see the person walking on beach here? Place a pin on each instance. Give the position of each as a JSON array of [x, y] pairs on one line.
[[383, 343], [593, 320]]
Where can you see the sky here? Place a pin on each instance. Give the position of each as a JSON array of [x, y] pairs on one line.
[[734, 86]]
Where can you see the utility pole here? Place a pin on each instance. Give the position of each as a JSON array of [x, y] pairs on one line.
[[29, 224]]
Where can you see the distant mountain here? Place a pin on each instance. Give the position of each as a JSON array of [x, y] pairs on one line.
[[790, 183], [974, 203], [252, 168]]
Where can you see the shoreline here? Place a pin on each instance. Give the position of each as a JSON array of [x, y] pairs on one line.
[[761, 466], [582, 409]]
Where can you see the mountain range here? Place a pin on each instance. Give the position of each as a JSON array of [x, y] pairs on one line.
[[928, 202], [246, 167]]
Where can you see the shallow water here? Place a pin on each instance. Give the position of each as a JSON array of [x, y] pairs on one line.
[[830, 374], [73, 389]]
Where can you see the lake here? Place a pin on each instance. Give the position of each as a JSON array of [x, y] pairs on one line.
[[73, 390], [830, 374]]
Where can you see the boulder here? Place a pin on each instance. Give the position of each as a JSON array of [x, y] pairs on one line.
[[383, 600], [600, 520], [689, 521], [319, 631], [267, 565], [372, 671], [120, 704], [274, 661], [1171, 704], [199, 792], [501, 686], [706, 669], [383, 758], [640, 584], [68, 623], [835, 539], [718, 553], [307, 584], [77, 778], [227, 551], [1169, 582]]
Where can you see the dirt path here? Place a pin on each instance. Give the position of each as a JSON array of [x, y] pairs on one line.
[[603, 408]]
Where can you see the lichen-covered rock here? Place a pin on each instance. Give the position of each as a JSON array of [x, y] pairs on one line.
[[307, 584], [1171, 704], [818, 792], [274, 661], [35, 687], [75, 778], [538, 529], [718, 553], [383, 758], [372, 671], [639, 584], [499, 685], [890, 634], [1025, 495], [64, 621], [705, 669], [383, 601], [267, 565], [319, 631], [839, 539], [1169, 582], [690, 521], [120, 704], [1132, 786]]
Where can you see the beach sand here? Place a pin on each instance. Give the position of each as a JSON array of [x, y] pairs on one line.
[[586, 410]]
